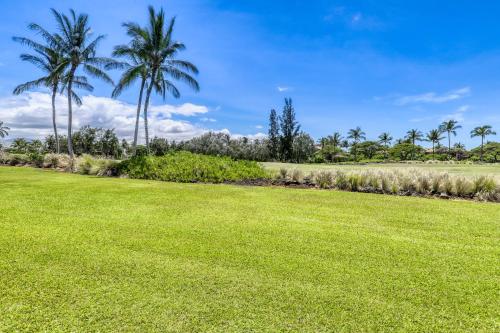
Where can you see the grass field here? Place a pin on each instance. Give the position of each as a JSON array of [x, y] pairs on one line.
[[461, 169], [83, 253]]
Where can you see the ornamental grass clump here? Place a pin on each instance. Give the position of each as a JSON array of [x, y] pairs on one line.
[[297, 176], [324, 179]]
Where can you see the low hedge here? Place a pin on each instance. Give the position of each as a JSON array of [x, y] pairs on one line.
[[187, 167]]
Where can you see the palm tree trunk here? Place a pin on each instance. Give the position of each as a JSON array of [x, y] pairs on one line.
[[482, 142], [146, 104], [449, 144], [54, 92], [70, 113], [139, 104], [433, 154]]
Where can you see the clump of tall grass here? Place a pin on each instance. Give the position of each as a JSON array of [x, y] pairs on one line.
[[324, 179], [297, 176]]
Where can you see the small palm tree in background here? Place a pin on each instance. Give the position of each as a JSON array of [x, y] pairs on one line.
[[356, 134], [51, 62], [159, 50], [434, 136], [451, 127], [482, 131], [385, 139], [79, 51], [336, 140], [414, 135]]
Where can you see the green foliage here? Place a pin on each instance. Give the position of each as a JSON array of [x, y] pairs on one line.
[[188, 167], [405, 151], [491, 152]]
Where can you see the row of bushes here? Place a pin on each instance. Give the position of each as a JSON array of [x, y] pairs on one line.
[[176, 166], [400, 182]]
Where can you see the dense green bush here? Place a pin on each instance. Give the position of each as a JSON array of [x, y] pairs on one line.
[[188, 167]]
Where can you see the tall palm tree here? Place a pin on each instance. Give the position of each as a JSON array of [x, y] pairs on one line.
[[449, 126], [482, 131], [385, 139], [414, 135], [159, 50], [51, 61], [3, 130], [434, 136], [356, 134], [135, 69], [79, 51]]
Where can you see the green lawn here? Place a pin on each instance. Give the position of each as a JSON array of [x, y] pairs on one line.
[[81, 253], [461, 169]]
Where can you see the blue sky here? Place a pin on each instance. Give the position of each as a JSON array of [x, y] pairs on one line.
[[382, 65]]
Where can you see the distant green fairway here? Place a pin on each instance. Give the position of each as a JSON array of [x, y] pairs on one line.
[[84, 253], [461, 169]]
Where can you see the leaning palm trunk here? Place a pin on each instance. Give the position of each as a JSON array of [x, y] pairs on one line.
[[146, 104], [54, 92], [482, 144], [139, 104], [70, 113]]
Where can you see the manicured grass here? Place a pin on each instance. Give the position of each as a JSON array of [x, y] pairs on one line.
[[461, 169], [82, 253]]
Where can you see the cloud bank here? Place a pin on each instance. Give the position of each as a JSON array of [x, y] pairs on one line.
[[29, 115], [432, 97]]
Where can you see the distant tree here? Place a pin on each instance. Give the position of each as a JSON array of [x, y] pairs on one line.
[[356, 134], [289, 130], [491, 152], [404, 151], [158, 146], [449, 126], [482, 131], [434, 136], [459, 150], [303, 147], [335, 140], [413, 136], [273, 135], [385, 139], [109, 144], [369, 148]]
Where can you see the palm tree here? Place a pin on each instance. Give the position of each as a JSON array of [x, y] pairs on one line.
[[449, 126], [78, 50], [134, 70], [385, 139], [482, 131], [3, 130], [159, 50], [336, 140], [51, 61], [356, 135], [434, 136], [414, 135]]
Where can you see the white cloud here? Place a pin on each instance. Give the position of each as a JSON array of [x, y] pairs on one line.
[[458, 115], [283, 89], [29, 115], [432, 97], [209, 120], [259, 127], [356, 18]]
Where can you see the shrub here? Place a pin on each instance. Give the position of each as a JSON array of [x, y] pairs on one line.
[[324, 179], [463, 187], [56, 161], [188, 167], [16, 159], [89, 165], [283, 173], [341, 181]]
